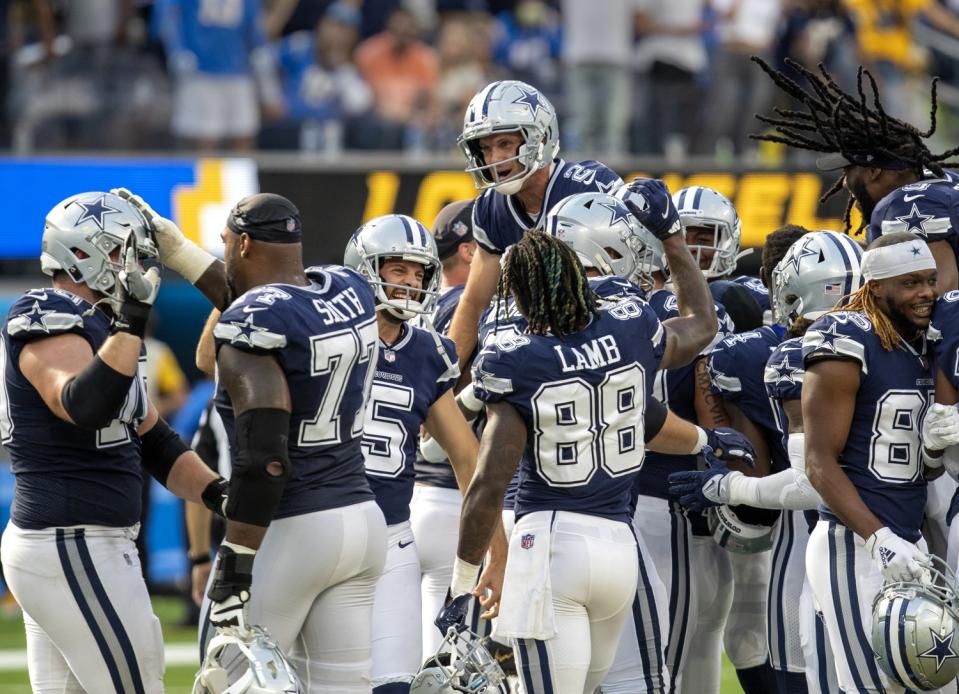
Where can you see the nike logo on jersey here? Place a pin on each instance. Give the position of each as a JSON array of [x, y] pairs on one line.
[[251, 309], [910, 198], [401, 545]]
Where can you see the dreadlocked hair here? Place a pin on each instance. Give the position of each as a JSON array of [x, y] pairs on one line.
[[864, 301], [548, 283], [835, 121]]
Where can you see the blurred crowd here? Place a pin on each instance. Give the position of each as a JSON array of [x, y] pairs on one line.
[[661, 77]]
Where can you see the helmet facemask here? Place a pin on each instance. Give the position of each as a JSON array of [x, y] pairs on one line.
[[418, 301], [530, 154], [724, 247], [461, 664]]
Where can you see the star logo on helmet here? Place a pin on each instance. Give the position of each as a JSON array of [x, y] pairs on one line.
[[620, 213], [941, 648], [245, 330], [804, 251], [915, 220], [95, 211], [529, 99]]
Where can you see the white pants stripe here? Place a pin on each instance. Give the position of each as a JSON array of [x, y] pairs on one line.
[[87, 614], [785, 590], [820, 670]]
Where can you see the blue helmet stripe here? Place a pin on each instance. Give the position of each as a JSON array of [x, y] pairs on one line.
[[489, 96], [699, 197], [909, 680], [409, 229], [682, 198]]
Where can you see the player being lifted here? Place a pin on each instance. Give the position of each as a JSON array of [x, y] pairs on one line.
[[412, 388], [511, 142], [75, 418]]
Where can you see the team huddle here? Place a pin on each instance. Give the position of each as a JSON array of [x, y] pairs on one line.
[[554, 445]]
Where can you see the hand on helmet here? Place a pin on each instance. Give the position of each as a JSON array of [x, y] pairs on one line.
[[453, 613], [177, 252], [898, 559], [230, 590], [137, 292], [649, 201]]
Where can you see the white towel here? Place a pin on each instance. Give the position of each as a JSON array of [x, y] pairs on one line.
[[526, 610]]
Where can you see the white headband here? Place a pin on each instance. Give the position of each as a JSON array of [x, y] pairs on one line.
[[898, 259]]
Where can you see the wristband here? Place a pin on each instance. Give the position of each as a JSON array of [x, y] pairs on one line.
[[465, 577], [202, 559], [432, 451], [467, 398], [702, 439]]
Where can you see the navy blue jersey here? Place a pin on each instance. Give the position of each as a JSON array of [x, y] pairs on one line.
[[756, 288], [736, 374], [410, 376], [440, 474], [882, 453], [66, 475], [929, 209], [784, 376], [499, 220], [324, 337], [675, 388], [945, 327], [582, 398]]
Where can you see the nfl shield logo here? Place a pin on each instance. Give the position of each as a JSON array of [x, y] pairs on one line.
[[526, 542], [389, 355]]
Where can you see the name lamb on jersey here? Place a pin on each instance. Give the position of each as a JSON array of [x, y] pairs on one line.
[[599, 352]]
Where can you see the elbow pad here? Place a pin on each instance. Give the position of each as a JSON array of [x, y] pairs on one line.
[[261, 438], [159, 449], [653, 419], [94, 396]]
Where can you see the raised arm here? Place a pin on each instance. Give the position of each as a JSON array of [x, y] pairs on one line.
[[479, 290], [690, 333]]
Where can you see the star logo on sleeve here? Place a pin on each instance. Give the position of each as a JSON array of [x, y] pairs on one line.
[[245, 330], [95, 211], [36, 317], [802, 252], [941, 649], [785, 372], [915, 221], [530, 100], [829, 337], [620, 213]]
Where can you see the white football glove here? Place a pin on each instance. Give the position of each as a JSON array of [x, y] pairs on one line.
[[940, 427], [177, 252], [137, 284], [898, 559]]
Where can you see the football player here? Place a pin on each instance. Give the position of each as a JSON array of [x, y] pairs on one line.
[[510, 139], [412, 388], [818, 270], [867, 383], [76, 421], [295, 353], [887, 169], [713, 231], [576, 404]]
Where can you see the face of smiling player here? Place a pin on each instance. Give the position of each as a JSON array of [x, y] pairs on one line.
[[908, 300]]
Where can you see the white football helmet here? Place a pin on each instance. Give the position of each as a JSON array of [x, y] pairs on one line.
[[606, 237], [396, 236], [87, 236], [245, 662], [816, 272], [699, 206], [914, 628], [509, 106], [461, 664], [734, 534]]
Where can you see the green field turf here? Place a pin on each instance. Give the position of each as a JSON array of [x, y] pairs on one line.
[[179, 680]]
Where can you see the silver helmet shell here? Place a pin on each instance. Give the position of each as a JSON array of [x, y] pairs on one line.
[[87, 236], [396, 236], [461, 664], [245, 662], [699, 206], [736, 535], [607, 238], [817, 271], [914, 627], [509, 106]]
